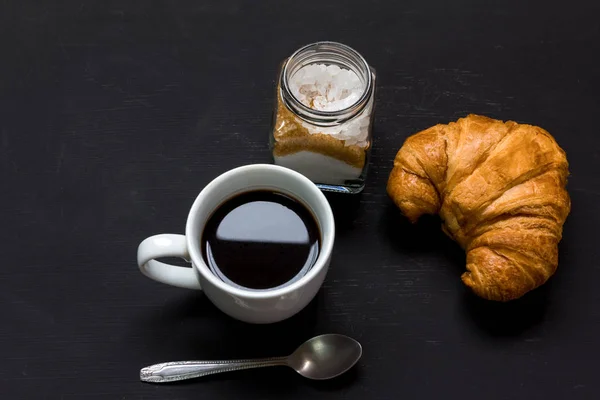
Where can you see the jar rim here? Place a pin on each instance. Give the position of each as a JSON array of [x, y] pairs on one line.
[[350, 111]]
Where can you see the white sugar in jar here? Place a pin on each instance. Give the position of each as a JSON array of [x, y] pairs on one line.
[[324, 116]]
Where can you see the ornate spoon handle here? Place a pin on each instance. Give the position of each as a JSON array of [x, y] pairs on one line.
[[181, 370]]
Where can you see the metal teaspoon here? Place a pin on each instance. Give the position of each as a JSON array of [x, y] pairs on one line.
[[322, 357]]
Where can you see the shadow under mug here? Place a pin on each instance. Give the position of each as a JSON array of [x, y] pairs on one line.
[[264, 306]]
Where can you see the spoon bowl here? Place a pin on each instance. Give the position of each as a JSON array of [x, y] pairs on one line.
[[325, 356]]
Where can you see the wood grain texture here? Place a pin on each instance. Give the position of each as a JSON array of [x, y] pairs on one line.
[[114, 114]]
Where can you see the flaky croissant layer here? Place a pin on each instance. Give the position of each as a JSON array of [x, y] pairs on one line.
[[499, 188]]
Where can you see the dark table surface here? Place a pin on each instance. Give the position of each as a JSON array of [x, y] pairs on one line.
[[115, 114]]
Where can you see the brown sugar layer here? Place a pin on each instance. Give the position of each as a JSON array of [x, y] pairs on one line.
[[322, 144], [291, 137]]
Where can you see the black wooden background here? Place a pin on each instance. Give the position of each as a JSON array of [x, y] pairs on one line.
[[115, 114]]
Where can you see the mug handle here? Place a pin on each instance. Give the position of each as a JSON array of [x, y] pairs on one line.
[[166, 245]]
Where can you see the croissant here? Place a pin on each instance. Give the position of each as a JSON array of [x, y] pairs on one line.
[[499, 188]]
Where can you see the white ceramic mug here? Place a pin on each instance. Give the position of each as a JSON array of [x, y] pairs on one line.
[[263, 306]]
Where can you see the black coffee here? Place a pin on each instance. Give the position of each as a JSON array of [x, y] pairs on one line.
[[260, 240]]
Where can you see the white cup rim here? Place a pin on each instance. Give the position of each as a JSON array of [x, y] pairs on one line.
[[326, 242]]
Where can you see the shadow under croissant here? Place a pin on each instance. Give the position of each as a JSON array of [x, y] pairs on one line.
[[511, 318], [424, 237], [494, 318]]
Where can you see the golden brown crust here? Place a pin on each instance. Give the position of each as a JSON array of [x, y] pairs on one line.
[[499, 187]]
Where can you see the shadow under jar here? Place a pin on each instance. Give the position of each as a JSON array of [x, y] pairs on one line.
[[322, 124]]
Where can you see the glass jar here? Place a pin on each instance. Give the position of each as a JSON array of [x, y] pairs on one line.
[[323, 116]]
